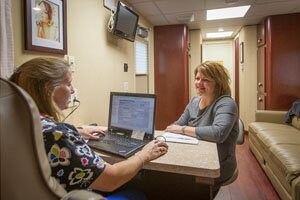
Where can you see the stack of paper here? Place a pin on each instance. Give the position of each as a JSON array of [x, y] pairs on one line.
[[173, 137]]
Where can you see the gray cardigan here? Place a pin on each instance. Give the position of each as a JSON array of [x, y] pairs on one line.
[[217, 123]]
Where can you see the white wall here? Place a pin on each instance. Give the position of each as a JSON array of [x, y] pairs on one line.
[[194, 58], [248, 75], [224, 51], [221, 51], [99, 57]]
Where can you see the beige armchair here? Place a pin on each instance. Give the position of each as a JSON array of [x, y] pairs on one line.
[[25, 171]]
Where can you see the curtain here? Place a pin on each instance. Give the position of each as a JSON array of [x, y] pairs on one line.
[[6, 39]]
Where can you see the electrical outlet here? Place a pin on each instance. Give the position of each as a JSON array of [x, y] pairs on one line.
[[125, 86], [71, 61]]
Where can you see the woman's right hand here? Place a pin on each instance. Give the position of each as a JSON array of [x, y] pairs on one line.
[[153, 150], [119, 173]]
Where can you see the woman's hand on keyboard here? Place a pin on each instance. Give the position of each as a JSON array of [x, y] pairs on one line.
[[91, 132]]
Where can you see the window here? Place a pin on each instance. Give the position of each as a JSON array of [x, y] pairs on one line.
[[141, 57]]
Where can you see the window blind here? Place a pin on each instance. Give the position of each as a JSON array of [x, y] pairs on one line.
[[141, 57]]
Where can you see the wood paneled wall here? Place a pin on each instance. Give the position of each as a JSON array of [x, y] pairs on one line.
[[171, 73], [279, 61]]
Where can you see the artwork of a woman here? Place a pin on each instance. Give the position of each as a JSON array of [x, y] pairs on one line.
[[45, 20]]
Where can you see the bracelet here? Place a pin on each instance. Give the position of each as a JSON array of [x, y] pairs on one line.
[[182, 129], [140, 158]]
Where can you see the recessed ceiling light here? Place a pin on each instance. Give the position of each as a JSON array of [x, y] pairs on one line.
[[219, 34], [220, 29], [227, 13]]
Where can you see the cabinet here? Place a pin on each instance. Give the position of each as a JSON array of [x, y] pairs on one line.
[[261, 52], [278, 53], [171, 74]]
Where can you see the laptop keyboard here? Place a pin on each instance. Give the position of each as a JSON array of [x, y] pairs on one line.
[[117, 144], [122, 141]]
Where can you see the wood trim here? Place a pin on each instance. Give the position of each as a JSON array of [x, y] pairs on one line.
[[236, 73]]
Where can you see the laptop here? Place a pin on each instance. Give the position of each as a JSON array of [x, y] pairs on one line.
[[130, 124]]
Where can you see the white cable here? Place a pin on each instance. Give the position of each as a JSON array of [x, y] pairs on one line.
[[111, 21]]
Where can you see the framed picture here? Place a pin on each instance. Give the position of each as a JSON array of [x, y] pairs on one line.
[[241, 52], [46, 26]]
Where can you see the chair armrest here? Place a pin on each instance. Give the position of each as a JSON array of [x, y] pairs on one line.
[[270, 116], [82, 195]]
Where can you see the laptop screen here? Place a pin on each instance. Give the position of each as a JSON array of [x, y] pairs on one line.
[[132, 112]]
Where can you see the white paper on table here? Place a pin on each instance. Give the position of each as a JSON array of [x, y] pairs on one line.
[[173, 137]]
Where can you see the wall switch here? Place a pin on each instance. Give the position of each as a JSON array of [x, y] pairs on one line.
[[125, 67]]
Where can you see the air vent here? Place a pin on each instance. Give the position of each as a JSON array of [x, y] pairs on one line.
[[185, 18], [142, 32]]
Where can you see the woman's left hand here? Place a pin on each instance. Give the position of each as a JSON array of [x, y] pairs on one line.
[[174, 129], [91, 132]]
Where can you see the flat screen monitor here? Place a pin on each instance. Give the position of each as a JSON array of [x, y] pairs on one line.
[[126, 21], [132, 112]]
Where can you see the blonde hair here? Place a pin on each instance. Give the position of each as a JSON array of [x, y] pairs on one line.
[[217, 73], [39, 77]]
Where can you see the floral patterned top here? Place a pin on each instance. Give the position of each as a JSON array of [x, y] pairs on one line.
[[73, 163]]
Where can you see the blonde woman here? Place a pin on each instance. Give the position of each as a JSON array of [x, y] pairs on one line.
[[212, 116], [74, 164]]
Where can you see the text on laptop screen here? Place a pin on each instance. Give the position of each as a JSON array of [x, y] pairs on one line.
[[134, 113]]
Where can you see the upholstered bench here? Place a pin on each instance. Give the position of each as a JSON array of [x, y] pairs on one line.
[[276, 145]]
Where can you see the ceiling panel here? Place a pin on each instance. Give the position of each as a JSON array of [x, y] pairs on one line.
[[167, 12], [296, 9], [158, 20], [148, 8], [272, 8], [180, 6]]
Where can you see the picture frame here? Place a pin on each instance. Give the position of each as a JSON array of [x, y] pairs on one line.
[[241, 53], [46, 26]]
